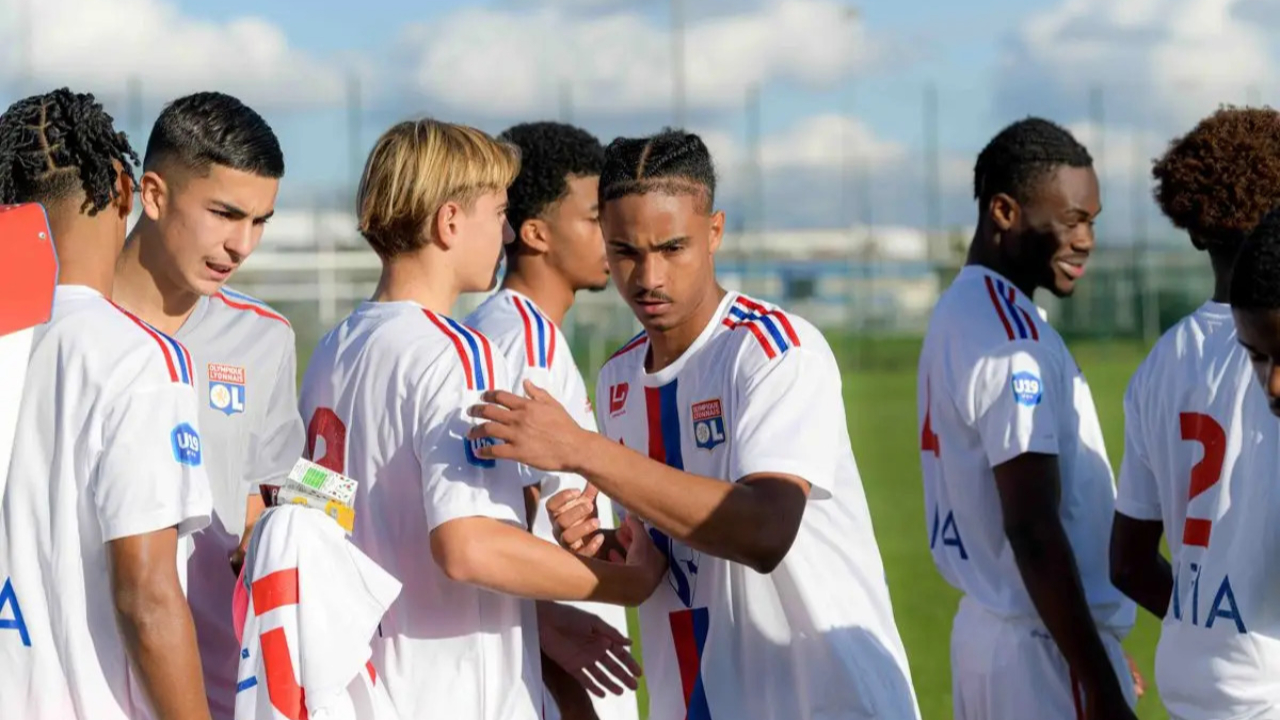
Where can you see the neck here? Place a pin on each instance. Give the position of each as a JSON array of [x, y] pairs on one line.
[[144, 288], [666, 346], [86, 250], [544, 286], [1222, 266], [984, 251], [430, 282]]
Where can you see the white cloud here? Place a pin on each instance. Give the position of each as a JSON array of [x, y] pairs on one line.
[[1158, 62], [512, 62], [99, 44]]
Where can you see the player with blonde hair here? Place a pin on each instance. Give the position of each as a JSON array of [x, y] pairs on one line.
[[385, 399]]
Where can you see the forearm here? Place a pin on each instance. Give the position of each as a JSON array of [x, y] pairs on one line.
[[1049, 572], [1149, 584], [161, 641], [499, 557], [723, 519]]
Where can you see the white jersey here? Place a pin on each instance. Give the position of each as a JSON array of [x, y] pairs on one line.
[[1201, 450], [536, 350], [245, 367], [759, 391], [107, 447], [995, 381], [385, 398]]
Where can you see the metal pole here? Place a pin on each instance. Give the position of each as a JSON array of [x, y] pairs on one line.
[[677, 61], [932, 172]]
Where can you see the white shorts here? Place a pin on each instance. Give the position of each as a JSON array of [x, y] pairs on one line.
[[1012, 670]]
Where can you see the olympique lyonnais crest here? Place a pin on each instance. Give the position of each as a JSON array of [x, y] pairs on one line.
[[708, 424], [226, 388]]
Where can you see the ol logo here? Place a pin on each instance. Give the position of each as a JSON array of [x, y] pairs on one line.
[[708, 424], [186, 445], [1027, 388], [472, 447], [226, 388]]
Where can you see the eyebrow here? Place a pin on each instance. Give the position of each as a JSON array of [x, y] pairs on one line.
[[238, 213], [666, 244]]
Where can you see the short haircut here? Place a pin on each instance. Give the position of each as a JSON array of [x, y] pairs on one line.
[[1021, 155], [212, 128], [415, 168], [673, 162], [1217, 181], [1255, 282], [56, 145], [550, 152]]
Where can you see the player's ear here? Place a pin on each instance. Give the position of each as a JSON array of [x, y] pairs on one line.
[[124, 194], [1004, 211], [535, 235], [446, 220], [153, 192], [716, 233]]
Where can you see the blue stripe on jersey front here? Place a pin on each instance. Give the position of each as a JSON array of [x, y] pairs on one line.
[[182, 358], [245, 684], [477, 356], [542, 334], [242, 296], [1013, 310], [670, 415]]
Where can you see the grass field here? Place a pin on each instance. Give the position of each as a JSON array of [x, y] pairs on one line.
[[880, 403]]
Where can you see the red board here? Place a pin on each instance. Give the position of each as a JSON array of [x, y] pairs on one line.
[[30, 268]]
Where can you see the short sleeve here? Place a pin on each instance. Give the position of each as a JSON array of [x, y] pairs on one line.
[[788, 419], [279, 442], [549, 483], [1138, 494], [151, 473], [456, 483], [1007, 399]]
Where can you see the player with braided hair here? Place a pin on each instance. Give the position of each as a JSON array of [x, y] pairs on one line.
[[723, 430], [106, 481], [1192, 416], [1018, 490]]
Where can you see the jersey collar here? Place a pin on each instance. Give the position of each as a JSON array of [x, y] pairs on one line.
[[668, 373], [193, 320]]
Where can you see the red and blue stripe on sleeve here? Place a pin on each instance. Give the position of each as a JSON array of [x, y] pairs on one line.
[[539, 334], [473, 350], [177, 359], [1004, 300], [771, 328]]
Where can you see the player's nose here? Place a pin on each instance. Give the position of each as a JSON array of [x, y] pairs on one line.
[[652, 272]]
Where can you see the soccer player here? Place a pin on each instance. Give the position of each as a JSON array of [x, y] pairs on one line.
[[1017, 486], [723, 428], [210, 175], [385, 399], [557, 251], [1195, 446], [107, 478]]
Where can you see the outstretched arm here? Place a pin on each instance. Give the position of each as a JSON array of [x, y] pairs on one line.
[[1137, 567]]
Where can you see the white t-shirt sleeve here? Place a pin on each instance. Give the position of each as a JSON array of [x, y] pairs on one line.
[[1006, 398], [1138, 494], [455, 482], [788, 419], [151, 473], [278, 444]]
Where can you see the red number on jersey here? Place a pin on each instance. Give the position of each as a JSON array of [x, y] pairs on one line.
[[928, 438], [1203, 429], [326, 424]]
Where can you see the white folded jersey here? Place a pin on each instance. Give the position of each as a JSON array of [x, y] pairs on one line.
[[107, 446], [1201, 452]]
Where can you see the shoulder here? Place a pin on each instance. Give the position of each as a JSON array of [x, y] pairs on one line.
[[760, 334], [628, 356], [463, 356], [982, 318], [522, 331], [138, 353], [251, 313]]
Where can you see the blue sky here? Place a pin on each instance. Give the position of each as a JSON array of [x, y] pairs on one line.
[[841, 114]]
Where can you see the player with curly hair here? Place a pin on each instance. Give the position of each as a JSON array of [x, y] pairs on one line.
[[557, 251], [1195, 443], [106, 481], [1018, 490]]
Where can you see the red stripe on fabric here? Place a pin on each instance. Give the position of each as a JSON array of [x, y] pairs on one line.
[[488, 358], [686, 646], [753, 326], [373, 674], [251, 308], [995, 301], [653, 411], [781, 317], [1076, 698], [457, 344], [164, 348], [276, 590], [630, 346], [528, 332], [1013, 300], [1195, 533], [551, 341], [286, 694]]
